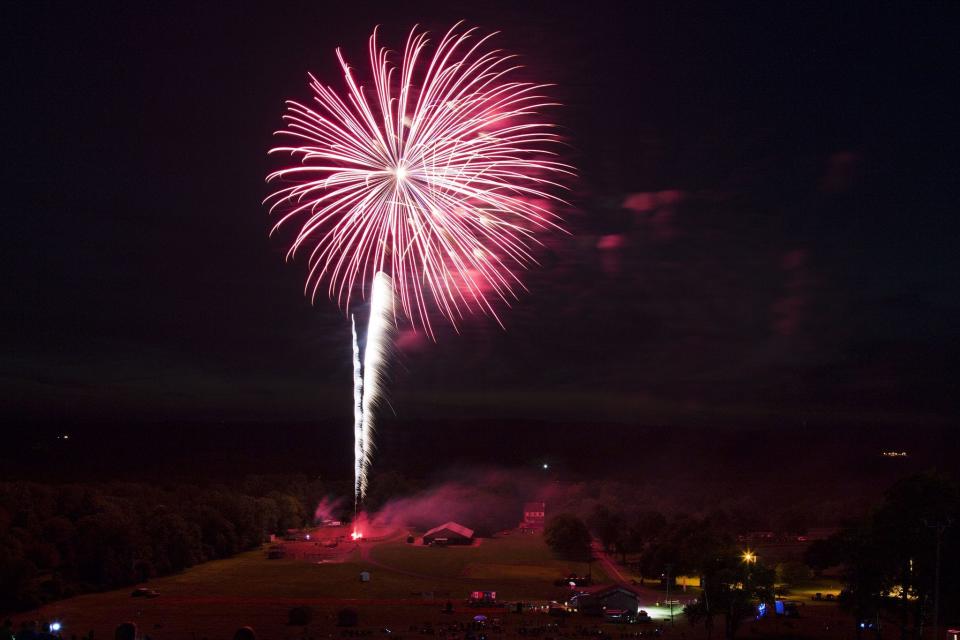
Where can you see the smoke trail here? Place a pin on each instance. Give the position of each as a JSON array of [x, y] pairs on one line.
[[358, 471]]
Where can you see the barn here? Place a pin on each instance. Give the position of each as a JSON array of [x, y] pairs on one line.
[[624, 603], [448, 533], [534, 515]]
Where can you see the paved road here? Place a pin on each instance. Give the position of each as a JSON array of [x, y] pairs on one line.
[[615, 572]]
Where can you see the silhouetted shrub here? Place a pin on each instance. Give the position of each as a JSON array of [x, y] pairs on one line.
[[300, 616], [348, 618], [245, 633], [125, 631]]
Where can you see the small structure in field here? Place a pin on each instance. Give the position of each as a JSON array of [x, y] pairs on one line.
[[534, 516], [482, 598], [447, 534], [617, 603]]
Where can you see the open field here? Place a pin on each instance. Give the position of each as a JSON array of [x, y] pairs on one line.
[[805, 591], [409, 587], [518, 566], [249, 589]]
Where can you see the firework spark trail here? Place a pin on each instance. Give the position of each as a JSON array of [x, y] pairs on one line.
[[441, 176], [376, 353], [358, 471]]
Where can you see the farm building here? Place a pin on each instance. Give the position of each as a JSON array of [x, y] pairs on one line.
[[479, 598], [608, 600], [534, 515], [448, 533]]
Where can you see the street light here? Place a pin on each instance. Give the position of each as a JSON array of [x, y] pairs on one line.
[[749, 557]]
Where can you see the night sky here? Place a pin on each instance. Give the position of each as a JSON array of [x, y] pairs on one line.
[[764, 228]]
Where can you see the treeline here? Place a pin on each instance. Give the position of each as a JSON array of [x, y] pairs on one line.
[[902, 560], [732, 583], [656, 544], [59, 540], [898, 562]]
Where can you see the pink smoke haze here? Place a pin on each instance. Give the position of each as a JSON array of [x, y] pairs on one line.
[[409, 340], [788, 309], [658, 209], [610, 242], [611, 247], [842, 172], [328, 508], [484, 500], [491, 500]]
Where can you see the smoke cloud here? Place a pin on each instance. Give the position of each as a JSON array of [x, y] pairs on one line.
[[486, 501], [328, 508]]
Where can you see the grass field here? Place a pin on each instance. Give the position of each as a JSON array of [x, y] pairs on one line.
[[518, 566], [409, 582], [409, 586], [805, 591]]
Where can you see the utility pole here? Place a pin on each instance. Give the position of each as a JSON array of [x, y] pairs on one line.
[[938, 528], [706, 605], [669, 601]]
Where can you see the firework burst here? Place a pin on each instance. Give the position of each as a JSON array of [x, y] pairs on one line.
[[433, 186], [441, 176]]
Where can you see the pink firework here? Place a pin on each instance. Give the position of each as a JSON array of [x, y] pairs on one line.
[[441, 176]]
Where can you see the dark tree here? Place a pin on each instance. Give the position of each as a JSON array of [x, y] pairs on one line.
[[644, 529], [300, 616], [176, 543], [57, 540], [866, 573], [790, 573], [731, 588], [894, 556], [348, 618], [568, 537], [823, 554], [685, 544], [125, 631], [16, 577], [245, 633], [609, 526]]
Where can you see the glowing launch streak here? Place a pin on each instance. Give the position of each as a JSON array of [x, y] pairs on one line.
[[358, 470], [368, 381], [375, 355]]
